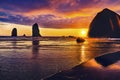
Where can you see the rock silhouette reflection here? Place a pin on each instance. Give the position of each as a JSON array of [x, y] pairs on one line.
[[108, 59], [35, 48]]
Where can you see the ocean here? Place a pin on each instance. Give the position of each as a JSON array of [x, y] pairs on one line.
[[27, 58]]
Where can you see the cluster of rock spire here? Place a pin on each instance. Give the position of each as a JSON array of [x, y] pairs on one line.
[[35, 31]]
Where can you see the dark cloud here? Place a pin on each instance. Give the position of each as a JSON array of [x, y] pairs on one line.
[[23, 5], [74, 5], [87, 2], [3, 14], [114, 1], [59, 5], [45, 21], [18, 19]]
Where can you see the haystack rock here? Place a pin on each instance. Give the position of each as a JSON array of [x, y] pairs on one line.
[[14, 32], [105, 24], [35, 30]]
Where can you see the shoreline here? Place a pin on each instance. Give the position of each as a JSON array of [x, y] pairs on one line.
[[30, 38]]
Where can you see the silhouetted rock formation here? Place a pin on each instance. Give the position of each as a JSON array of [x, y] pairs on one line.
[[105, 24], [24, 35], [79, 40], [35, 30], [14, 32]]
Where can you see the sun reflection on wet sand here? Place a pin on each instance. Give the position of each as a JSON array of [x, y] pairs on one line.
[[83, 55]]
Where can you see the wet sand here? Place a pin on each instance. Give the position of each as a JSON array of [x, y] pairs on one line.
[[25, 58]]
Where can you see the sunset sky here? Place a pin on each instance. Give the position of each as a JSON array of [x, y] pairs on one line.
[[55, 17]]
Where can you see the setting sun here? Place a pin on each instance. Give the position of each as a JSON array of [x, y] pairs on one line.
[[83, 32]]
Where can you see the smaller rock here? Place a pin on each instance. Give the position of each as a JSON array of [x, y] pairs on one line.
[[24, 35], [79, 40]]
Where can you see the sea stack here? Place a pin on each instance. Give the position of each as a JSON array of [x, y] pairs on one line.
[[105, 24], [14, 32], [35, 30]]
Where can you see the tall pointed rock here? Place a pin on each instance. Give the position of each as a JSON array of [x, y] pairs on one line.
[[105, 24], [35, 30], [14, 32]]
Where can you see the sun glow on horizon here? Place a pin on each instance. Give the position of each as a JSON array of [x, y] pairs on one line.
[[27, 30], [83, 32]]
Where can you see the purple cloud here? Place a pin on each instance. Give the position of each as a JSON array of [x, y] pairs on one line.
[[74, 5], [23, 5]]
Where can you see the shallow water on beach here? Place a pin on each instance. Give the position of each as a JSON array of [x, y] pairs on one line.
[[34, 59]]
